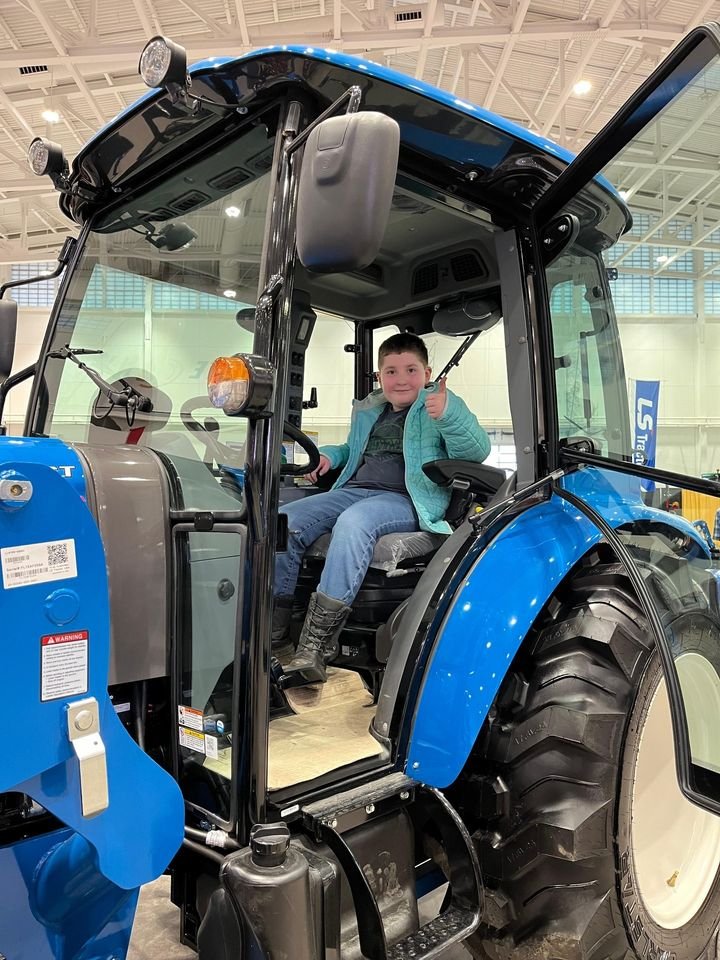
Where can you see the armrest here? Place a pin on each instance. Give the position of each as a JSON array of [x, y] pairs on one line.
[[480, 477]]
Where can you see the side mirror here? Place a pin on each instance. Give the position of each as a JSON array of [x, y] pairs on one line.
[[8, 334], [346, 187]]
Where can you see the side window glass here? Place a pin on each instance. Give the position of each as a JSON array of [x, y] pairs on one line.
[[330, 369], [581, 401], [480, 379]]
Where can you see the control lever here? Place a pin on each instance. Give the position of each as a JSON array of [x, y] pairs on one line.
[[312, 403], [84, 732]]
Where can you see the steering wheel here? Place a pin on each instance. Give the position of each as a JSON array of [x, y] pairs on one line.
[[300, 469], [208, 432]]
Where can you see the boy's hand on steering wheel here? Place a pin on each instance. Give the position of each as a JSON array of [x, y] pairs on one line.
[[321, 468], [435, 403]]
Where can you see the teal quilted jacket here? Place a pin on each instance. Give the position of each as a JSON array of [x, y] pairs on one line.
[[456, 435]]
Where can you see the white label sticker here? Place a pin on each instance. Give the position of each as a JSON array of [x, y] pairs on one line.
[[38, 563], [189, 717], [192, 740], [64, 664], [211, 747]]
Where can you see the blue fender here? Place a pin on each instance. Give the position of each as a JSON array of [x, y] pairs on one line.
[[497, 604]]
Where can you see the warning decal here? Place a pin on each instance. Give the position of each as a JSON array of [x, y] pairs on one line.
[[38, 563], [64, 664], [190, 717], [192, 740]]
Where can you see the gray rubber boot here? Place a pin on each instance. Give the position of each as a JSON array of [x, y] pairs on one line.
[[323, 622], [282, 614]]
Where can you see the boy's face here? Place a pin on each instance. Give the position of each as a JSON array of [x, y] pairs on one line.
[[402, 376]]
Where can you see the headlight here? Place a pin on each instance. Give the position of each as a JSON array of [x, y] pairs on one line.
[[45, 156], [228, 384], [241, 385], [163, 62]]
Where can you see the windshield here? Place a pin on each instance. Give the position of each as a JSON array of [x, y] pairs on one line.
[[164, 287]]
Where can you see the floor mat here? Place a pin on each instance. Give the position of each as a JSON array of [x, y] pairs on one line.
[[329, 730]]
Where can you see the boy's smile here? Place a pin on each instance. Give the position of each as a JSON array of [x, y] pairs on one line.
[[402, 376]]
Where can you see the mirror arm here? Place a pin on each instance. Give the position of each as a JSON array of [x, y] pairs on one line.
[[62, 260], [457, 356], [353, 95], [7, 386]]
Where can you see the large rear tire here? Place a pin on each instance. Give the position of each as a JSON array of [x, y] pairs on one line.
[[587, 846]]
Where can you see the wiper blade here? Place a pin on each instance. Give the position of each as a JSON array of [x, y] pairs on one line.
[[128, 397]]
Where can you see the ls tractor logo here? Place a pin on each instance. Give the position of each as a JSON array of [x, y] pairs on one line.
[[647, 395]]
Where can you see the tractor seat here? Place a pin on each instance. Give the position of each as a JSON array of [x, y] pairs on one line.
[[390, 551], [470, 482]]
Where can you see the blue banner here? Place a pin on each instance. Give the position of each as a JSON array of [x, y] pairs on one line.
[[647, 396]]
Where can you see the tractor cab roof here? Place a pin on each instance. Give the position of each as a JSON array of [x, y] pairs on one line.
[[450, 145]]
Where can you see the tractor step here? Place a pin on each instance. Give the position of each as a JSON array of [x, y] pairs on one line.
[[452, 926], [327, 820]]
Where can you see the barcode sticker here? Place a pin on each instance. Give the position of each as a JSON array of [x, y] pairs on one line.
[[38, 563]]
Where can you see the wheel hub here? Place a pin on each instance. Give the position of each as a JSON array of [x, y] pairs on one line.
[[676, 845]]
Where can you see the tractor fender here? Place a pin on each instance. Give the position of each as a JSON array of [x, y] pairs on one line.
[[485, 626], [496, 605]]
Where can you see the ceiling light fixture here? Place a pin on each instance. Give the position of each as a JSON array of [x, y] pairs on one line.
[[50, 116], [662, 259], [582, 87], [230, 294], [233, 211]]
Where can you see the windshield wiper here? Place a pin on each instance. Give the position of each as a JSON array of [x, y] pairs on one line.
[[128, 397]]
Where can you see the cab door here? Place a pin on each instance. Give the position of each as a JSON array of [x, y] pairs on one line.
[[627, 245]]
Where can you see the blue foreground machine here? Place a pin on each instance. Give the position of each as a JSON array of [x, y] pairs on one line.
[[78, 852], [521, 712]]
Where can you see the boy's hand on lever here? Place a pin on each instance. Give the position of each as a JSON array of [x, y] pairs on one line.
[[435, 403], [321, 468]]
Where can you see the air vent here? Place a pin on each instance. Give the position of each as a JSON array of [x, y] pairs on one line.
[[231, 178], [408, 16], [426, 278], [263, 161], [33, 68], [466, 266], [162, 213], [189, 200]]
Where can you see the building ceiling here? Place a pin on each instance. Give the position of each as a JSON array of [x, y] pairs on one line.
[[519, 58]]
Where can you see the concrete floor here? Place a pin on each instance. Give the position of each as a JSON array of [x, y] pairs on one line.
[[157, 926]]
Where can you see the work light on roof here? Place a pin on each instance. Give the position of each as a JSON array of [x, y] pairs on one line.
[[46, 157], [163, 63]]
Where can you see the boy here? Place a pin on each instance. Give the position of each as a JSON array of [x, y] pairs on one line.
[[381, 489]]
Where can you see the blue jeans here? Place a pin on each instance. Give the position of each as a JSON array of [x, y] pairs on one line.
[[357, 518]]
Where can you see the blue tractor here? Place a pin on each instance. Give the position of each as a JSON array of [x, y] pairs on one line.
[[521, 712]]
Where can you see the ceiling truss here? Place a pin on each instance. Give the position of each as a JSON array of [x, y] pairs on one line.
[[520, 58]]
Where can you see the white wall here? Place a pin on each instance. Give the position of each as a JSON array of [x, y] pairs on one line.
[[480, 379], [31, 330], [682, 353]]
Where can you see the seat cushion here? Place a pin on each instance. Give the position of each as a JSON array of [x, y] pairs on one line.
[[391, 550]]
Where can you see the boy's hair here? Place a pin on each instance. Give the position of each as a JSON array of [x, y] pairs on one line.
[[403, 343]]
